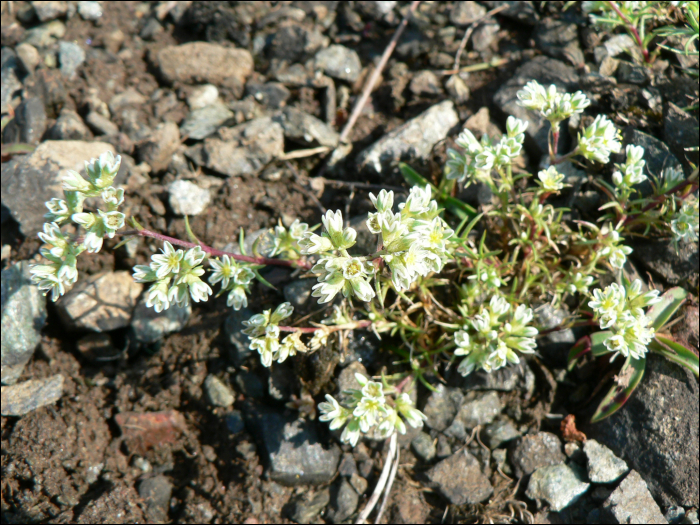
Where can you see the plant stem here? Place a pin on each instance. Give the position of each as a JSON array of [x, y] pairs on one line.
[[219, 253], [632, 29]]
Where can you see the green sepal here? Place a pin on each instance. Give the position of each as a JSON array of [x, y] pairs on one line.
[[632, 371], [262, 279], [241, 242], [598, 339]]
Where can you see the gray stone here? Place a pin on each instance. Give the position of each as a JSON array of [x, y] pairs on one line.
[[243, 150], [291, 446], [200, 123], [484, 36], [306, 129], [100, 124], [348, 465], [506, 379], [459, 479], [558, 39], [70, 56], [46, 11], [28, 182], [298, 293], [456, 88], [603, 465], [424, 447], [499, 432], [25, 397], [218, 393], [273, 95], [546, 71], [150, 326], [68, 126], [156, 492], [347, 379], [186, 198], [413, 140], [535, 451], [343, 502], [632, 74], [442, 406], [558, 485], [425, 83], [681, 134], [295, 75], [157, 151], [203, 96], [234, 422], [674, 514], [100, 302], [555, 345], [89, 10], [307, 506], [632, 503], [691, 517], [659, 257], [29, 57], [656, 432], [362, 347], [479, 409], [359, 483], [23, 317], [465, 13], [619, 44], [202, 62], [523, 12], [339, 62], [238, 341], [29, 123], [293, 42], [279, 384], [250, 385], [45, 34], [366, 241], [128, 97], [10, 85]]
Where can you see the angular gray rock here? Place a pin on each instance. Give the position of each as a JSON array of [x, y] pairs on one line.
[[149, 326], [343, 502], [68, 126], [28, 182], [202, 122], [442, 406], [603, 465], [71, 56], [241, 150], [481, 409], [535, 451], [459, 479], [306, 129], [100, 302], [202, 62], [413, 140], [656, 432], [202, 96], [23, 317], [218, 393], [291, 446], [157, 151], [27, 396], [186, 198], [339, 62], [558, 485], [424, 447], [100, 124], [46, 11], [499, 432], [632, 503]]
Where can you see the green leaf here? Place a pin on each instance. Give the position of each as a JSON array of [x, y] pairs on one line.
[[135, 223], [598, 339], [582, 347], [413, 178], [676, 352], [662, 311], [456, 206], [459, 208], [241, 242], [471, 225], [630, 374], [189, 232], [262, 279]]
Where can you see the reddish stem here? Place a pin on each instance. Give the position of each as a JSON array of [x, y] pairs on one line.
[[633, 30], [219, 253], [658, 200]]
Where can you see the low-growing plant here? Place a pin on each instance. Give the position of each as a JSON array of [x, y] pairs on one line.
[[463, 293]]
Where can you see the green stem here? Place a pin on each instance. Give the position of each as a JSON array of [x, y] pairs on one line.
[[633, 30]]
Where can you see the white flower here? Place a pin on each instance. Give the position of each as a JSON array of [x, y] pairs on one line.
[[342, 239], [580, 283], [112, 221], [73, 181], [405, 407], [605, 303], [516, 127], [113, 196], [351, 432], [384, 201], [168, 262], [319, 339], [237, 298], [310, 243], [599, 140], [53, 237], [157, 296], [144, 274], [58, 211], [418, 201], [552, 105], [224, 270], [685, 223], [267, 346], [333, 412], [101, 171], [551, 179], [346, 274]]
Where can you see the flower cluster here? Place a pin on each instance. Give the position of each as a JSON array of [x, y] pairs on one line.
[[264, 333], [612, 247], [61, 252], [285, 241], [684, 224], [551, 180], [632, 171], [494, 335], [370, 411], [482, 157], [599, 140], [176, 277], [552, 105], [621, 310], [235, 279]]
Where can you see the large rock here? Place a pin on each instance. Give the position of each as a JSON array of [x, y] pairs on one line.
[[31, 180], [23, 317], [201, 62], [413, 140], [100, 302], [535, 451], [241, 150], [22, 398], [459, 479], [656, 432], [291, 446], [632, 503], [559, 485]]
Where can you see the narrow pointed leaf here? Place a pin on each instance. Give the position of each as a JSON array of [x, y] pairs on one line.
[[582, 347], [632, 372], [676, 352], [661, 312], [189, 232]]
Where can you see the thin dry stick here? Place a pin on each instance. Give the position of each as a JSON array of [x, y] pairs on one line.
[[381, 483], [392, 477], [302, 153], [470, 30], [360, 104]]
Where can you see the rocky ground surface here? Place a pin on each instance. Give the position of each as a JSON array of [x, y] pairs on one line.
[[113, 413]]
